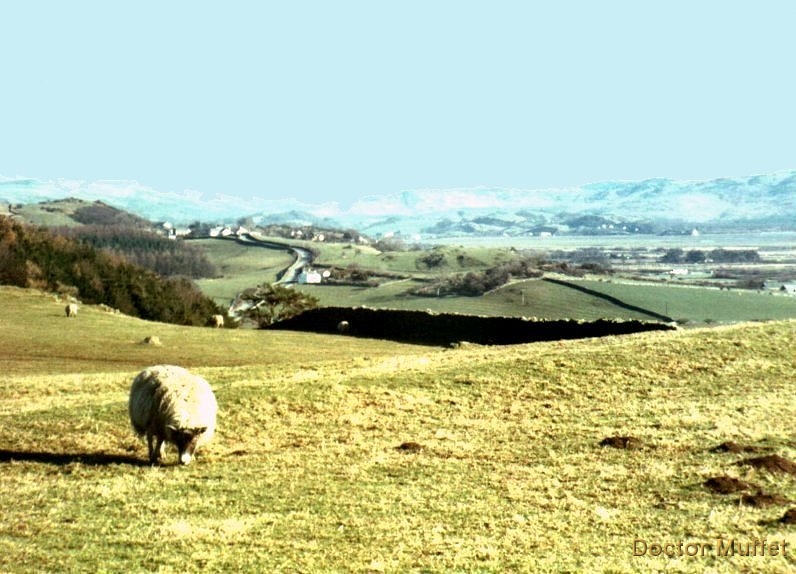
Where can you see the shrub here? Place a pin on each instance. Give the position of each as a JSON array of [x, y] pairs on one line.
[[266, 304]]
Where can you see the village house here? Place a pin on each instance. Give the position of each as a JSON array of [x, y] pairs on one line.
[[309, 276]]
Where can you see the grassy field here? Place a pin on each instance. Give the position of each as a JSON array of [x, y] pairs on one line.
[[337, 454], [240, 267], [535, 298], [699, 304], [531, 298], [244, 267], [456, 258]]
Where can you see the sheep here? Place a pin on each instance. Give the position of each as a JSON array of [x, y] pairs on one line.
[[343, 327], [218, 321], [170, 404], [71, 310]]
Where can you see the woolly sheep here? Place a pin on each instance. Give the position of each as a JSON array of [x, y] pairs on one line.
[[218, 321], [153, 340], [170, 404], [71, 310], [343, 327]]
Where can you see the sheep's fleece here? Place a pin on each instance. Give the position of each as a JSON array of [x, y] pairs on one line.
[[170, 404]]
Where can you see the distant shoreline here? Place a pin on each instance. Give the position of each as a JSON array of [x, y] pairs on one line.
[[747, 240]]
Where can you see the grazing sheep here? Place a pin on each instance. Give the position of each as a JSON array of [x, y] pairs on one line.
[[218, 321], [170, 404], [71, 310], [343, 327]]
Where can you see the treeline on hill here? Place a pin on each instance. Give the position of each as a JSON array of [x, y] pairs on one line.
[[476, 283], [473, 283], [715, 256], [36, 258], [99, 213], [142, 246]]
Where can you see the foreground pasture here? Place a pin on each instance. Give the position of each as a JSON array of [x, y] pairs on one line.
[[345, 455]]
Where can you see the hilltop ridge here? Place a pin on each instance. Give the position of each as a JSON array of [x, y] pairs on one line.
[[758, 202]]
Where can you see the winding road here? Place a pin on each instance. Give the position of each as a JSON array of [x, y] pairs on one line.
[[288, 275], [303, 258]]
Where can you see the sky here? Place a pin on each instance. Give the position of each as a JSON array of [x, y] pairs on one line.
[[333, 101]]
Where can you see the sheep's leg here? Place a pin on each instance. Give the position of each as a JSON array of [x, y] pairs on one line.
[[154, 450], [156, 454]]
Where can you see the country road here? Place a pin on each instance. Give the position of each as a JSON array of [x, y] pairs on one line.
[[290, 274]]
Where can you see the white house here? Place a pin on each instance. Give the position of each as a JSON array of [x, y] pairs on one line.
[[309, 276], [220, 231]]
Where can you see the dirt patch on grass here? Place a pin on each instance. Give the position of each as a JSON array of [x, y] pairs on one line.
[[409, 446], [625, 442], [762, 500], [726, 484], [789, 517], [731, 446], [772, 463]]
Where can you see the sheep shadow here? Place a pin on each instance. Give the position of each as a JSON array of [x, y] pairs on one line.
[[63, 459]]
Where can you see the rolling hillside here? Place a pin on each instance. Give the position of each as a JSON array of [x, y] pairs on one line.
[[240, 267], [761, 202], [343, 454]]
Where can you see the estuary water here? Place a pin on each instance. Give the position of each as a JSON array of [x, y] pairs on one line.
[[786, 239]]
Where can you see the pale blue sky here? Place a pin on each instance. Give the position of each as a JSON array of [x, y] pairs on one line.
[[336, 100]]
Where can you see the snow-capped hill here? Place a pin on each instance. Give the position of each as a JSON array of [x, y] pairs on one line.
[[759, 200]]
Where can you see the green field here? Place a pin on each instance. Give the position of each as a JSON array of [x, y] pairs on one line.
[[240, 267], [244, 267], [536, 298], [699, 304], [540, 299], [456, 258], [337, 454]]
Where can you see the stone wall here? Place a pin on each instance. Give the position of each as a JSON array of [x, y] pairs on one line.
[[445, 329]]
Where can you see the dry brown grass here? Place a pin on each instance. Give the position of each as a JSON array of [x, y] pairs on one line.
[[307, 474]]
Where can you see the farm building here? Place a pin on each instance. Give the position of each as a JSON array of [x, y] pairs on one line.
[[788, 288], [221, 231], [784, 288], [309, 276]]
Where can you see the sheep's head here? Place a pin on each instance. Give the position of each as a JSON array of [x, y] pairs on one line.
[[185, 440]]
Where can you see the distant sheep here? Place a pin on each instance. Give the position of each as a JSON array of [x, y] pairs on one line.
[[218, 321], [170, 404], [71, 310], [343, 327]]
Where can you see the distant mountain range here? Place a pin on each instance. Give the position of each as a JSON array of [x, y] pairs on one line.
[[761, 202]]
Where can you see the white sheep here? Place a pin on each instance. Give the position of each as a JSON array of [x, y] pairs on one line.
[[71, 310], [218, 321], [343, 327], [170, 404]]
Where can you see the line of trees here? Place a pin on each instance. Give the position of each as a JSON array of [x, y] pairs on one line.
[[144, 247], [678, 255], [37, 258]]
